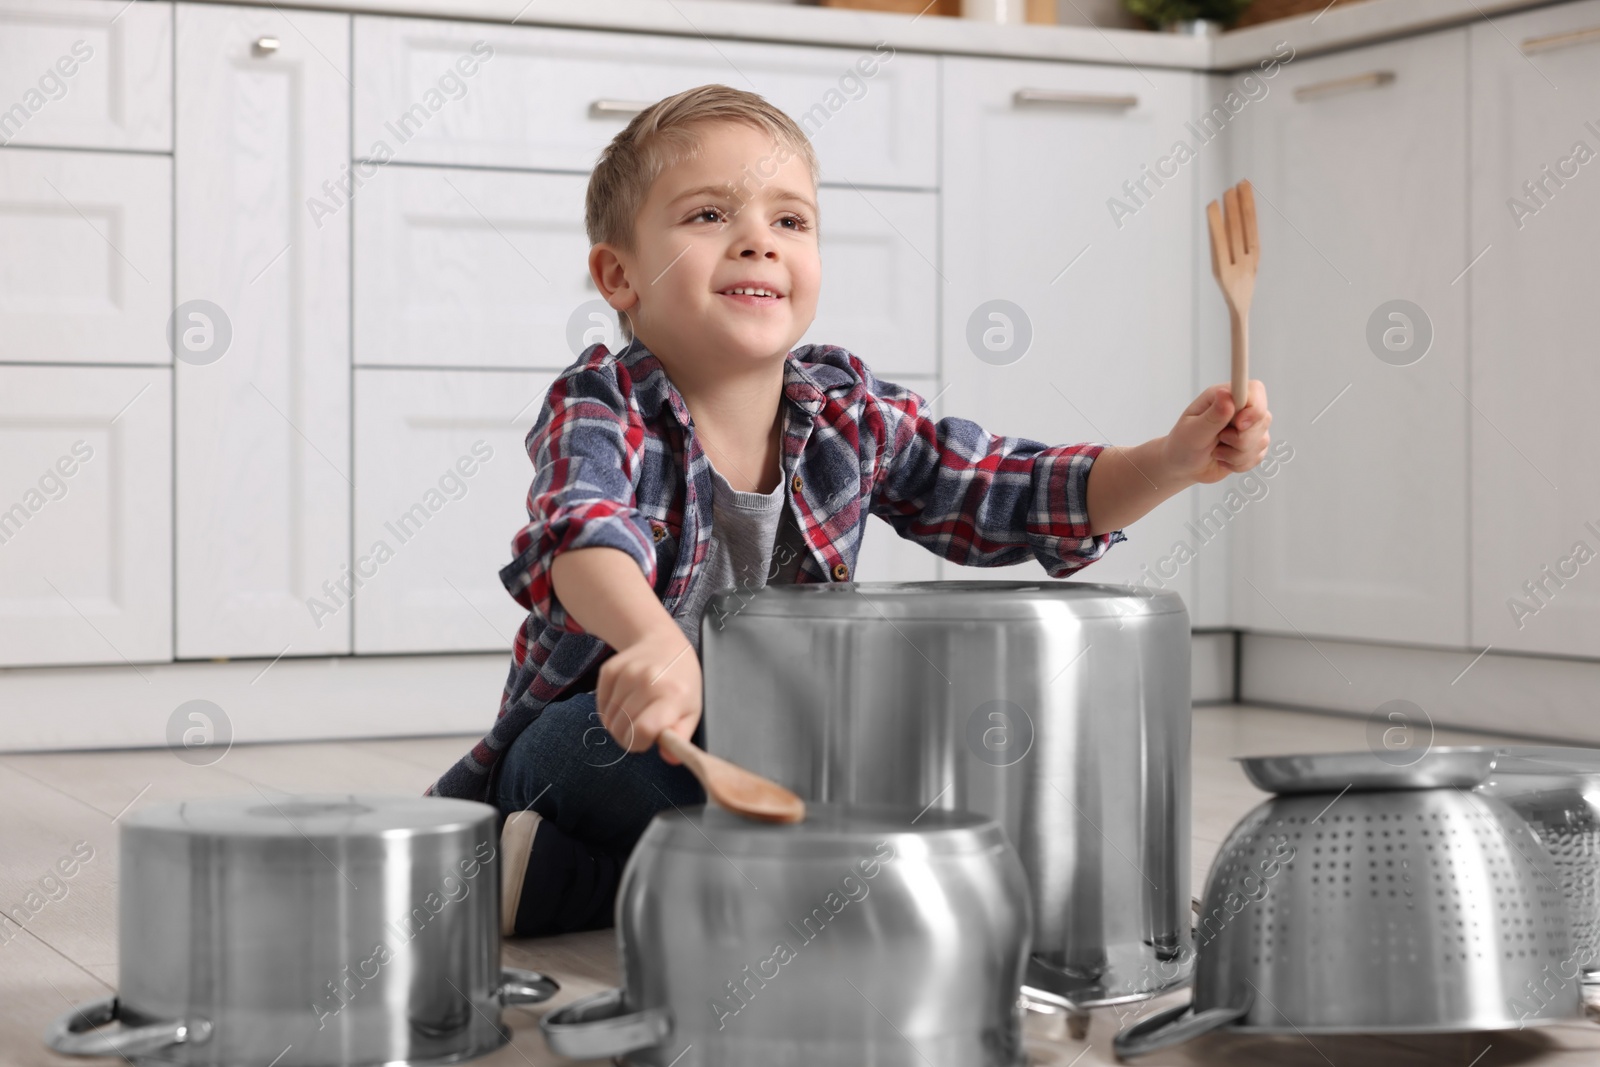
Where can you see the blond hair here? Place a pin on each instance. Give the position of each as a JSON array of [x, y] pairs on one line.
[[665, 133]]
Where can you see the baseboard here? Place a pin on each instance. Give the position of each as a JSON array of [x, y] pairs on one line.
[[1531, 696], [45, 708], [1211, 667]]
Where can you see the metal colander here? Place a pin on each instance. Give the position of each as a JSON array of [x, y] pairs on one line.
[[1557, 791], [1411, 910]]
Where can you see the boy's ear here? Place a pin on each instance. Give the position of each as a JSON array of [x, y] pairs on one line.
[[610, 277]]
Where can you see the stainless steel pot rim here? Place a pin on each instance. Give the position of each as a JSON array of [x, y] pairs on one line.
[[1368, 771], [959, 601], [313, 815], [830, 829]]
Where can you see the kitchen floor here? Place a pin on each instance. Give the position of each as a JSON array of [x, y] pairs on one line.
[[68, 952]]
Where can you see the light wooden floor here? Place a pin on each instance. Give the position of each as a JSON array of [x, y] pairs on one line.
[[68, 953]]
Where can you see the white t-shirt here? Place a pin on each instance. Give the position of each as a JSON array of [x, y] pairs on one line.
[[744, 529]]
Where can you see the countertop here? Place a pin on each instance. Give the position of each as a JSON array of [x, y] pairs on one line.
[[1333, 29]]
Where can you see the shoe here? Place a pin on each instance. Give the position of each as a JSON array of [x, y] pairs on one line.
[[516, 844]]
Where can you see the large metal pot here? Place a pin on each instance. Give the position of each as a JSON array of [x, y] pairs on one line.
[[305, 931], [1059, 708], [1372, 898], [877, 936]]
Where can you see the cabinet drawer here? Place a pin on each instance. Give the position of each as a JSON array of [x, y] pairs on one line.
[[552, 98], [441, 486], [879, 286], [85, 257], [89, 74], [471, 268], [85, 515]]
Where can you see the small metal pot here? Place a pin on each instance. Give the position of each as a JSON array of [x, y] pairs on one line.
[[1411, 910], [305, 931], [1557, 790], [1061, 709], [861, 935]]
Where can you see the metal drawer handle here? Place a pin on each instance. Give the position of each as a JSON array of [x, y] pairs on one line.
[[616, 107], [265, 46], [1370, 80], [1069, 99], [1560, 40]]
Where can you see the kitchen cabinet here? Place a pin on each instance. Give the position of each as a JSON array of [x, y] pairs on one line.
[[85, 515], [1068, 305], [429, 91], [1358, 331], [85, 257], [442, 482], [1535, 385], [473, 268], [263, 387], [880, 288], [89, 74]]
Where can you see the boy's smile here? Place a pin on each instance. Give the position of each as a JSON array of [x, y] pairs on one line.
[[725, 268]]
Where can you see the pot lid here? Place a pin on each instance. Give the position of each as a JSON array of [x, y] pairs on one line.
[[963, 601], [310, 815], [1336, 772], [829, 831]]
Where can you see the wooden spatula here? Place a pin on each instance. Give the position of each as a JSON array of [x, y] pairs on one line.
[[1235, 252], [733, 787]]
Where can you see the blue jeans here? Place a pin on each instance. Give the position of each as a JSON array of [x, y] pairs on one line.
[[595, 798]]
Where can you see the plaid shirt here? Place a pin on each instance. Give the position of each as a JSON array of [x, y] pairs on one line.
[[617, 463]]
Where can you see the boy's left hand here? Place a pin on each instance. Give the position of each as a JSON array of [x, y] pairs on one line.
[[1211, 440]]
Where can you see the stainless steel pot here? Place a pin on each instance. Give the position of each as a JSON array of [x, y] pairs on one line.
[[1059, 708], [1412, 910], [862, 935], [1557, 790], [305, 931]]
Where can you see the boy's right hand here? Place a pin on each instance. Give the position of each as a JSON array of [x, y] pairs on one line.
[[651, 685]]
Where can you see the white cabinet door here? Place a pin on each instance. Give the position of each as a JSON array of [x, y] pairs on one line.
[[1065, 318], [1535, 381], [89, 74], [85, 257], [85, 515], [428, 91], [441, 486], [464, 268], [880, 288], [1358, 161], [263, 381]]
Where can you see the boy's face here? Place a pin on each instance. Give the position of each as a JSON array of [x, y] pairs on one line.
[[740, 214]]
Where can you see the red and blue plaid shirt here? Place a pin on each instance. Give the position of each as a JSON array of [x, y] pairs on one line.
[[617, 463]]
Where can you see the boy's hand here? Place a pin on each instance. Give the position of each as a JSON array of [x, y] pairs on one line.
[[1212, 441], [650, 686]]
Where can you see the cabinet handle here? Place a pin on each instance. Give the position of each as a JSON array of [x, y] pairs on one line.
[[1560, 40], [265, 46], [1370, 80], [616, 107], [1068, 99]]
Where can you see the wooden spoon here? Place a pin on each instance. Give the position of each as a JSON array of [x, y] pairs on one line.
[[733, 787], [1235, 253]]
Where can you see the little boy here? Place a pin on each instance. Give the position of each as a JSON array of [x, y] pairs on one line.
[[706, 454]]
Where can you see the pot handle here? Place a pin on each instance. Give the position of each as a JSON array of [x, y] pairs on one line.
[[1172, 1027], [518, 986], [77, 1032], [596, 1027]]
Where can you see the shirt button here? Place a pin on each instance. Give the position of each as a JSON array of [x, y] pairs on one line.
[[796, 484], [659, 531], [841, 573]]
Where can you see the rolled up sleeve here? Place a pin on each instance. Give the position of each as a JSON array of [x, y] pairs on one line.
[[585, 449], [978, 499]]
